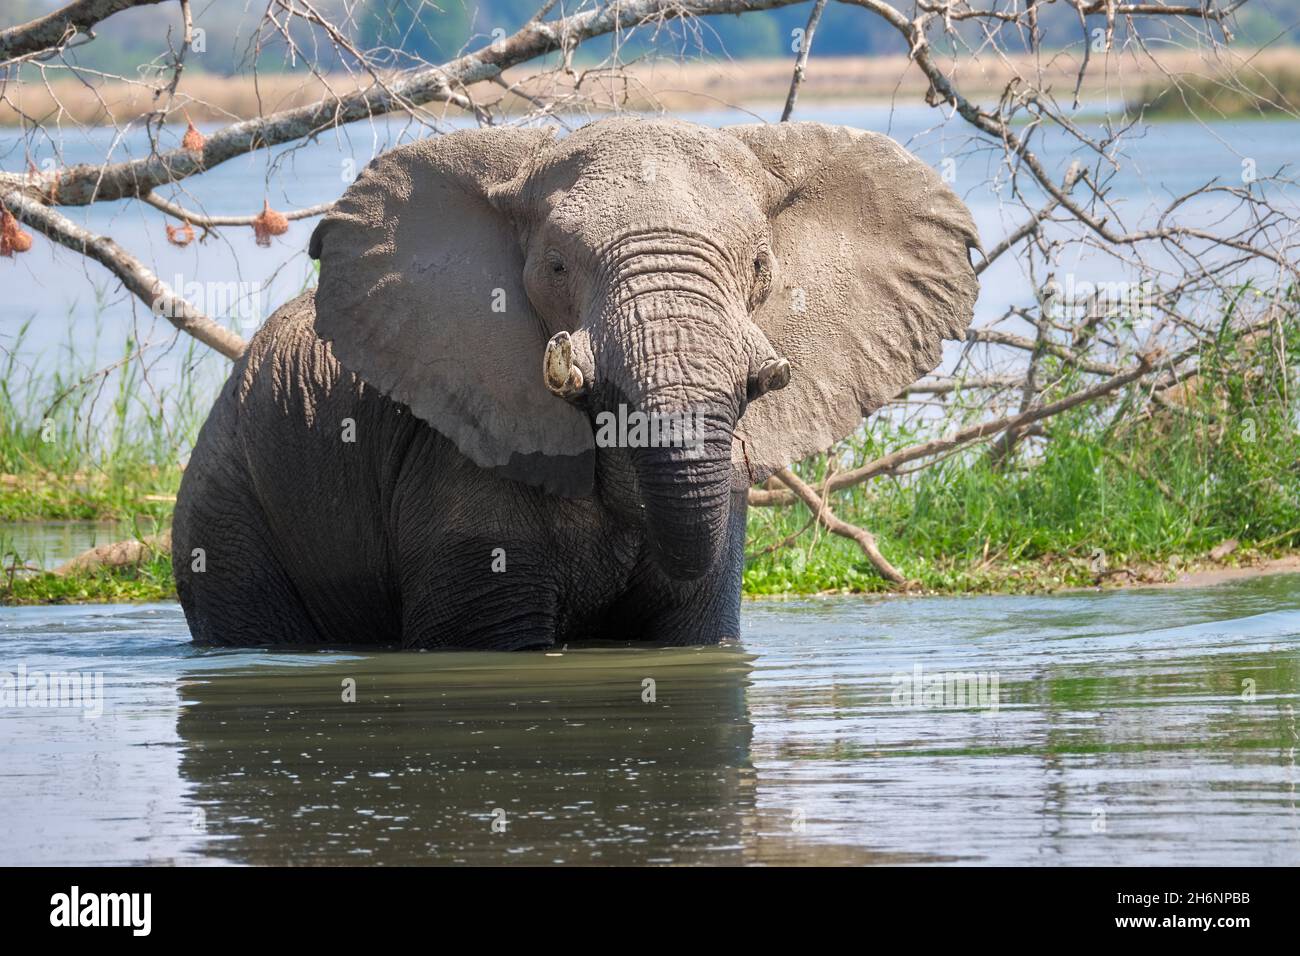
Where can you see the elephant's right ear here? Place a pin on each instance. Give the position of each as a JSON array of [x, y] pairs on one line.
[[421, 294], [872, 274]]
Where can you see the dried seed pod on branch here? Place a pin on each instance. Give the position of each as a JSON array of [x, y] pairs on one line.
[[12, 237], [269, 223], [181, 235]]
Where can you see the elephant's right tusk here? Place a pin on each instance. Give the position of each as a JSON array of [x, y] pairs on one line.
[[774, 375], [562, 376]]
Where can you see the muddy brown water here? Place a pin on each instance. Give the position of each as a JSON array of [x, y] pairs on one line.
[[1140, 727]]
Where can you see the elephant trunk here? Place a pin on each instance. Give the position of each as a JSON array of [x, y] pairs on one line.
[[686, 490], [677, 358]]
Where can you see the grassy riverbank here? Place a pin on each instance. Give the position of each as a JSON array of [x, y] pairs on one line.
[[148, 581], [1105, 495], [82, 440], [1270, 93]]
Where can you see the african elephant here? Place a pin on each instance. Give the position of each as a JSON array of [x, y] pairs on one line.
[[538, 374]]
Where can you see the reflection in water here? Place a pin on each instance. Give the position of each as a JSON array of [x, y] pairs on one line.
[[1139, 728], [483, 758]]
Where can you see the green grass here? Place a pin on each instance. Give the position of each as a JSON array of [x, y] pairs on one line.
[[149, 581], [79, 444], [1275, 93], [1163, 492]]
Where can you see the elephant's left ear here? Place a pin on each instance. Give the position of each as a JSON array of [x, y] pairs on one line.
[[421, 294], [872, 273]]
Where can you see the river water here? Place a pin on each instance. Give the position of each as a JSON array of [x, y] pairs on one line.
[[81, 317], [1139, 727]]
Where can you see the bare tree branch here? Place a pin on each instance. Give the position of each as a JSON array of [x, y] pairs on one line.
[[211, 222], [894, 460], [864, 538], [55, 29], [801, 64], [133, 273], [88, 182]]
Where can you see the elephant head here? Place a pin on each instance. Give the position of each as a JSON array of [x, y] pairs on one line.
[[516, 290]]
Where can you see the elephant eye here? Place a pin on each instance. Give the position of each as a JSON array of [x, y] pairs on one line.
[[553, 264]]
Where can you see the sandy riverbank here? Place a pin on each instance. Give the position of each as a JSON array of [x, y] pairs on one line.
[[663, 84], [1201, 577]]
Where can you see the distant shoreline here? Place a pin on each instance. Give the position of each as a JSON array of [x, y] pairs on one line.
[[663, 84]]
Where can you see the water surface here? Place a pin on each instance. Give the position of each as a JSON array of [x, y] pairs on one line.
[[1152, 727]]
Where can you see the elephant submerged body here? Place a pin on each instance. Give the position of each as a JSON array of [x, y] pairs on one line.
[[405, 542], [433, 449]]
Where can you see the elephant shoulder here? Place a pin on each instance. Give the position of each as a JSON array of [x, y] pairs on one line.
[[288, 367]]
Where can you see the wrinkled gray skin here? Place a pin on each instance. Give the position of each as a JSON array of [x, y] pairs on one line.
[[688, 267]]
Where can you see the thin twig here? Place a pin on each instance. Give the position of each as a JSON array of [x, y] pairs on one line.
[[134, 274], [210, 222], [801, 64], [892, 461], [864, 538]]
